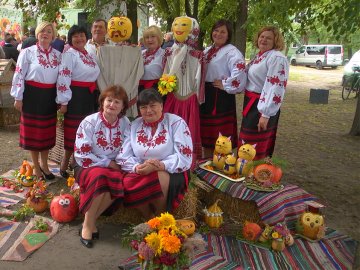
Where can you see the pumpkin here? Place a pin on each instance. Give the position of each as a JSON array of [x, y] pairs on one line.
[[213, 215], [119, 29], [267, 173], [39, 205], [187, 226], [64, 208], [251, 231]]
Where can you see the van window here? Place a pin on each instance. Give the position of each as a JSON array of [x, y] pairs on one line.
[[301, 50], [334, 49], [315, 50]]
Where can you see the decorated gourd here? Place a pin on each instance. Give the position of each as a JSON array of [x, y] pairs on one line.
[[119, 29], [223, 147], [181, 28], [229, 166], [278, 244], [39, 205], [266, 233], [246, 154], [311, 225], [267, 173], [26, 169], [25, 176], [187, 226], [213, 215], [251, 231], [64, 208]]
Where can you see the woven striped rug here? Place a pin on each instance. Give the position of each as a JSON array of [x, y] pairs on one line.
[[279, 206], [335, 251]]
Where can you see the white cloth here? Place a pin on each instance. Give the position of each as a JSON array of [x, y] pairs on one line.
[[90, 46], [267, 75], [153, 65], [75, 66], [171, 144], [189, 72], [121, 65], [34, 65], [228, 65], [98, 143]]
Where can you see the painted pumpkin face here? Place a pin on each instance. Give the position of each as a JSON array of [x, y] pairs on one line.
[[181, 28], [64, 208], [119, 29], [247, 152]]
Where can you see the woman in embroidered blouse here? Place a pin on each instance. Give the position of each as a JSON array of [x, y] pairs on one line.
[[153, 57], [265, 89], [99, 138], [225, 77], [75, 89], [34, 90], [158, 157]]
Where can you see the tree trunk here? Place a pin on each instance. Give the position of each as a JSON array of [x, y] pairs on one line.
[[132, 15], [239, 35], [355, 129]]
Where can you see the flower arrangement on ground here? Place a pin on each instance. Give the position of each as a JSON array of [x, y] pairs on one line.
[[167, 84], [161, 244], [38, 196]]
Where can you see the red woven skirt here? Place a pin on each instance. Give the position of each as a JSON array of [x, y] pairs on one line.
[[264, 140], [38, 118], [94, 181], [218, 114], [188, 109]]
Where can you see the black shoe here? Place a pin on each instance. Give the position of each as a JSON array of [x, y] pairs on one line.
[[64, 174], [49, 176], [86, 242], [95, 235]]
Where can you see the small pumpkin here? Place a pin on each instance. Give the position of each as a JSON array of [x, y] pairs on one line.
[[39, 205], [268, 173], [251, 231], [187, 226], [213, 215], [64, 208], [26, 169]]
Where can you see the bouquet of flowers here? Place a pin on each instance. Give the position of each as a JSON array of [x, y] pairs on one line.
[[161, 244], [167, 84]]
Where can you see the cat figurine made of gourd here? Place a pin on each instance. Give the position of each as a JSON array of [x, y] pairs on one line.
[[229, 166], [246, 154], [223, 147]]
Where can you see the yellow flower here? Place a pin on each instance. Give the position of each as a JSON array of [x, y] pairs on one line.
[[171, 244], [154, 242], [167, 220], [154, 223], [275, 235], [70, 181], [167, 84]]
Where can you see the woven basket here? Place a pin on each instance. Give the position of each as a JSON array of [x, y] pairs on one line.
[[57, 152]]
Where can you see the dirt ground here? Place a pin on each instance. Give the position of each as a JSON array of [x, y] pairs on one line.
[[313, 138]]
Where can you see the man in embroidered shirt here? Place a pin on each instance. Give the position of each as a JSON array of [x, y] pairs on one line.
[[98, 32]]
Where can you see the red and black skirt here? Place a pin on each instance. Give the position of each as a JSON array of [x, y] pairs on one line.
[[38, 117], [143, 189], [264, 140], [94, 181], [82, 104], [218, 114]]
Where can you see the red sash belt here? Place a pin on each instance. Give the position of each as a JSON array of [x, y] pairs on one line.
[[148, 83], [90, 85], [253, 96], [41, 85]]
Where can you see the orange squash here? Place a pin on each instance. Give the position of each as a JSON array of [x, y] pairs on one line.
[[187, 226], [39, 206], [277, 174], [268, 172], [251, 231]]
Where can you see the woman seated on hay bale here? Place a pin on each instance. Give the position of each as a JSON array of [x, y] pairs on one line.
[[160, 148], [99, 139]]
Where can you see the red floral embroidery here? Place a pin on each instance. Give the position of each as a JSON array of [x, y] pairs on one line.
[[262, 99], [85, 148], [274, 80], [80, 135], [18, 69], [235, 83], [65, 72], [102, 142], [143, 139], [149, 56], [197, 54], [87, 60], [285, 83], [277, 99], [86, 162], [185, 150], [62, 88], [240, 66]]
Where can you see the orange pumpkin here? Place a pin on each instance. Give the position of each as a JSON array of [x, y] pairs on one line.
[[267, 172], [251, 231], [26, 169], [39, 206], [277, 174], [187, 226]]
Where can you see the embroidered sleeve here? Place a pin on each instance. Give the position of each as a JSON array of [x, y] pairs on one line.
[[18, 82], [273, 91], [66, 68], [236, 82], [181, 158], [126, 157], [83, 150]]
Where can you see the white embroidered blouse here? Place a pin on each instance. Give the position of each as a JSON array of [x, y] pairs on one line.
[[153, 64], [267, 75], [171, 143], [226, 64], [35, 64], [75, 66], [97, 142]]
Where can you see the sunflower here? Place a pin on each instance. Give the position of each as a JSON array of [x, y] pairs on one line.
[[154, 242], [154, 223], [167, 220], [171, 244]]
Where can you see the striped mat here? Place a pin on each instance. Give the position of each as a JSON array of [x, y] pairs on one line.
[[279, 206], [335, 251]]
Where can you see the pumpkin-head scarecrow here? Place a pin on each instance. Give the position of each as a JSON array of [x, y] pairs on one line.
[[186, 31], [119, 29]]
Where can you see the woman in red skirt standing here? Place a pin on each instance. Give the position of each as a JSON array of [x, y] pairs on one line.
[[34, 90], [99, 139]]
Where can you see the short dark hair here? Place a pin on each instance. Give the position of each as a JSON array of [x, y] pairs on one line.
[[100, 20], [115, 91], [220, 23], [148, 95], [76, 29], [32, 31], [8, 38]]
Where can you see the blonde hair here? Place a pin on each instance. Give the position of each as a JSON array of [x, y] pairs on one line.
[[153, 30], [42, 25], [279, 43]]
